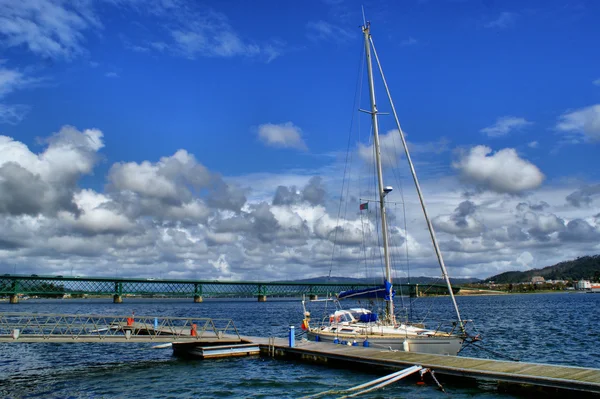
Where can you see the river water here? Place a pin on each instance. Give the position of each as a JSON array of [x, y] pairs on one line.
[[542, 328]]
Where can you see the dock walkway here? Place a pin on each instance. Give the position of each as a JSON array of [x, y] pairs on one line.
[[546, 375]]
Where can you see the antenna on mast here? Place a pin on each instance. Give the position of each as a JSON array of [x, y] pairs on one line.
[[364, 19]]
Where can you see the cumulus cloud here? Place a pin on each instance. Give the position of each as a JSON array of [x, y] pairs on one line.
[[390, 146], [45, 183], [503, 171], [504, 126], [579, 230], [225, 196], [584, 121], [284, 135], [526, 206], [461, 222], [542, 226], [166, 189], [98, 215], [584, 195], [314, 191], [170, 179]]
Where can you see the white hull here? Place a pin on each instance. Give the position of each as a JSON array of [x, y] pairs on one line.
[[436, 345]]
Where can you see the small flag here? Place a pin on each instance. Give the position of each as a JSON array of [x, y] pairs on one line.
[[364, 206]]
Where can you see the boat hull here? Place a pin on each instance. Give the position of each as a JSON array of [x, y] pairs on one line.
[[439, 345]]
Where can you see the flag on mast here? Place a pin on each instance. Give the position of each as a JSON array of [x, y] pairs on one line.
[[364, 206]]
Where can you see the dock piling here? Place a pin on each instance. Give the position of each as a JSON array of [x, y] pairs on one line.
[[292, 337]]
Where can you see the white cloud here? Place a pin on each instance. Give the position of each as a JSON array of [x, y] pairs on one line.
[[390, 146], [98, 214], [322, 30], [533, 144], [170, 179], [53, 29], [585, 121], [284, 135], [504, 20], [502, 172], [111, 75], [596, 82], [197, 31], [45, 183], [14, 113], [504, 126], [155, 218], [11, 80]]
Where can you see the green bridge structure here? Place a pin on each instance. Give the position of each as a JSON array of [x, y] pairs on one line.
[[17, 286]]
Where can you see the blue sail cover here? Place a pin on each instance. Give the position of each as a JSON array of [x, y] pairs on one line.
[[369, 293]]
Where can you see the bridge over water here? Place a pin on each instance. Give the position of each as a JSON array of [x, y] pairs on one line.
[[16, 286]]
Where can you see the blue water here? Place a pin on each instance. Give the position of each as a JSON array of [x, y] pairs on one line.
[[543, 328]]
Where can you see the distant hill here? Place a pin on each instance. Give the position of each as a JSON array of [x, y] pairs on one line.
[[413, 280], [585, 267]]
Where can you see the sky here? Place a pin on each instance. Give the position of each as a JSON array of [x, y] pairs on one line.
[[221, 140]]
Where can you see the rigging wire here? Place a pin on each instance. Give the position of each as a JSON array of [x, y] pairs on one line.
[[357, 94]]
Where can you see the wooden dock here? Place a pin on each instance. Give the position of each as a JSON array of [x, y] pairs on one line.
[[540, 375]]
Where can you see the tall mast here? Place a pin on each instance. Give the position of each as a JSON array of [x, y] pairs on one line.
[[421, 199], [386, 251]]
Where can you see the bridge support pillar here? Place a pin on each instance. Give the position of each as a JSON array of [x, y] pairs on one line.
[[262, 298], [197, 299], [117, 299], [14, 299], [313, 297]]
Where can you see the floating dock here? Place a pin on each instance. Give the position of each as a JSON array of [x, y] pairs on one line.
[[542, 375]]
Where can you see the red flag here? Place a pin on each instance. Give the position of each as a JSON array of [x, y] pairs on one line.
[[364, 206]]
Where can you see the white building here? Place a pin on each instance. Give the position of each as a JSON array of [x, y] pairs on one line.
[[584, 285]]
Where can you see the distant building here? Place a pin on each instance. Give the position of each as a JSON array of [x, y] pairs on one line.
[[584, 285], [537, 280]]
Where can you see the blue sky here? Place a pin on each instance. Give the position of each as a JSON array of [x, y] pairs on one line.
[[207, 139]]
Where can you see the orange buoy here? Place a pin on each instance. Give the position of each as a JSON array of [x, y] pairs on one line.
[[130, 321], [193, 331]]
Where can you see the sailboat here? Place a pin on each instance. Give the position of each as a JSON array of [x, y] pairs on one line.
[[357, 326]]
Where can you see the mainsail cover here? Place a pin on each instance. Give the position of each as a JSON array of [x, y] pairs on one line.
[[378, 292]]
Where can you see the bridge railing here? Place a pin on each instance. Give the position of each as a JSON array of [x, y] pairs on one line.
[[14, 286], [74, 327]]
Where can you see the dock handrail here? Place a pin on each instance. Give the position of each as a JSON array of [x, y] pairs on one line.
[[50, 326]]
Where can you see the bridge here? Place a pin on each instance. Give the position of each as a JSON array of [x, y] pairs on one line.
[[17, 286]]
